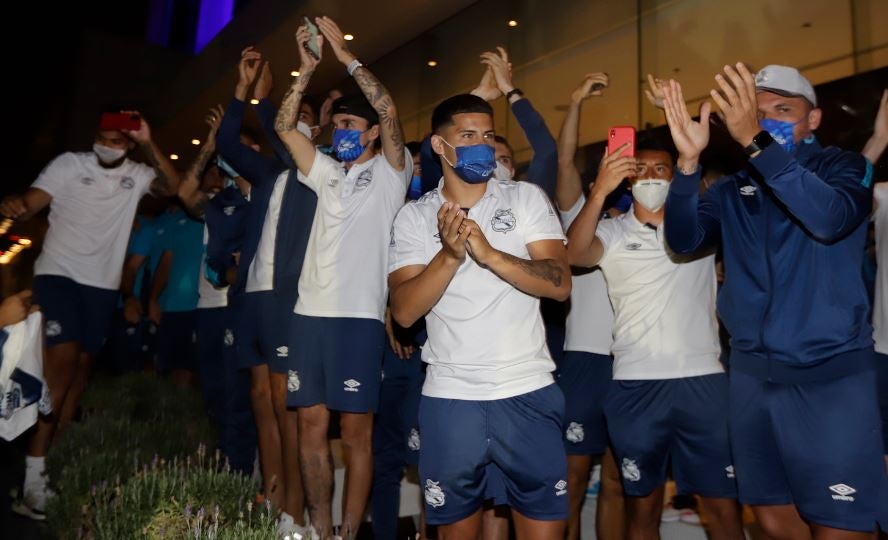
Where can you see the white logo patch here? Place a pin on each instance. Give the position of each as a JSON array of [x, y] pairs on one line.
[[351, 385], [729, 471], [560, 488], [229, 337], [228, 210], [292, 381], [749, 191], [503, 221], [575, 433], [53, 328], [630, 470], [127, 183], [413, 440], [131, 331], [283, 351], [842, 492], [434, 496]]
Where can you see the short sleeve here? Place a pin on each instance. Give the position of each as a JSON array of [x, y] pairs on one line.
[[607, 231], [323, 170], [407, 245], [56, 174], [142, 239], [144, 176], [568, 216], [541, 222]]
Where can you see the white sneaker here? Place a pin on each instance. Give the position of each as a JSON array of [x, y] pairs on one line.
[[32, 503], [670, 514], [690, 517]]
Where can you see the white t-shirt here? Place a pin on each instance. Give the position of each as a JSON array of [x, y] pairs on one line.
[[664, 312], [344, 273], [486, 338], [260, 275], [590, 322], [90, 217], [210, 296], [880, 309]]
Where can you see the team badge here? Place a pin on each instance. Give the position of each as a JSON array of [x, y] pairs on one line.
[[503, 221], [434, 495]]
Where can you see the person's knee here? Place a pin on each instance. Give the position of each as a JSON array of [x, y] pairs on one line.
[[313, 424], [643, 511], [724, 511], [357, 431], [772, 524]]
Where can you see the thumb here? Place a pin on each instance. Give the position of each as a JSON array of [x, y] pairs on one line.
[[705, 110]]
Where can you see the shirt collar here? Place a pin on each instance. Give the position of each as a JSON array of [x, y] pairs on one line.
[[491, 190]]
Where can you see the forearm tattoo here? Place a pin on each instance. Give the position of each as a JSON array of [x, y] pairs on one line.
[[382, 103], [543, 269], [161, 184], [288, 114]]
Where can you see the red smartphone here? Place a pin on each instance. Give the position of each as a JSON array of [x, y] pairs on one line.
[[120, 121], [617, 136]]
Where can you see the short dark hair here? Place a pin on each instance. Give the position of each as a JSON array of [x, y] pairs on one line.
[[443, 114], [502, 140], [312, 103], [414, 147], [653, 145]]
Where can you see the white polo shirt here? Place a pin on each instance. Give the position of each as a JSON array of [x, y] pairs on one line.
[[880, 307], [90, 217], [590, 321], [664, 311], [210, 296], [486, 338], [344, 273], [260, 275]]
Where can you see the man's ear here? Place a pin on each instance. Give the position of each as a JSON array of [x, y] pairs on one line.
[[814, 117], [437, 144], [373, 133]]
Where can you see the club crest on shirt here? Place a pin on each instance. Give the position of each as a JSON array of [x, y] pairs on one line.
[[333, 182], [503, 221], [575, 433], [434, 495], [87, 181], [127, 183], [363, 180], [630, 470]]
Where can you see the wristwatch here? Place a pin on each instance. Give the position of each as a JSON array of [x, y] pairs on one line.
[[513, 92], [761, 141]]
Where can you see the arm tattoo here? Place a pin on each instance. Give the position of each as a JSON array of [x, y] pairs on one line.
[[544, 269], [160, 185], [382, 103], [288, 114]]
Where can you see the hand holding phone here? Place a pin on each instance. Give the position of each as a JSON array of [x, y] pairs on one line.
[[120, 122], [617, 136], [312, 44]]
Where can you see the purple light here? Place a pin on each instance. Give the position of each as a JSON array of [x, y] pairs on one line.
[[214, 15]]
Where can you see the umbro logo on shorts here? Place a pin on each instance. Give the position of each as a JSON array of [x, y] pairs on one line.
[[434, 495], [283, 351], [351, 385], [749, 191], [729, 471], [560, 488], [630, 470], [842, 492]]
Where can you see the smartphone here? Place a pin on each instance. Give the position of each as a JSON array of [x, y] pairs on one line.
[[312, 44], [120, 121], [617, 136]]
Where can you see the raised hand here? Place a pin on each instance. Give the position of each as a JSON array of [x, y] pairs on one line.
[[307, 60], [876, 144], [654, 92], [248, 67], [591, 85], [690, 137], [487, 89], [141, 135], [453, 235], [498, 62], [263, 85], [213, 119], [15, 308], [612, 170], [334, 36], [738, 104], [13, 206]]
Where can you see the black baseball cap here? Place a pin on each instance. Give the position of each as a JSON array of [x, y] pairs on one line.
[[357, 105]]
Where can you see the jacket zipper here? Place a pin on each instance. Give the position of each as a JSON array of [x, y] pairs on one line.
[[770, 284]]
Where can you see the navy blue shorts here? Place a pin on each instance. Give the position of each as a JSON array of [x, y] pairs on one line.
[[882, 390], [396, 427], [685, 421], [336, 361], [74, 312], [506, 449], [263, 332], [816, 445], [176, 339], [585, 378]]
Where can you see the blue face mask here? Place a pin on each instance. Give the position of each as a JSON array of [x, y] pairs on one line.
[[474, 164], [347, 144], [415, 190], [780, 131]]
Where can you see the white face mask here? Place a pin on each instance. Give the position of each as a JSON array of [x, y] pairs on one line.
[[108, 155], [501, 172], [305, 129], [650, 193]]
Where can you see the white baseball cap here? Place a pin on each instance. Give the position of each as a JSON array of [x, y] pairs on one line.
[[786, 81]]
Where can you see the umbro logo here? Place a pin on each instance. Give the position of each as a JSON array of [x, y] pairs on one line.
[[127, 183], [437, 237], [228, 210], [87, 181], [560, 488], [749, 191], [842, 492], [729, 471], [283, 351], [634, 246], [351, 385]]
